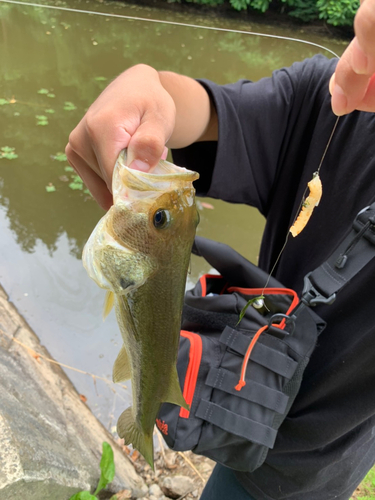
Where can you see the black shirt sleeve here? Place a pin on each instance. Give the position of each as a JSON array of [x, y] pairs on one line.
[[259, 122]]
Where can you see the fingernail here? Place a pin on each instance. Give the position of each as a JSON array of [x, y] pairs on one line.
[[332, 83], [339, 101], [140, 165], [359, 59], [165, 153]]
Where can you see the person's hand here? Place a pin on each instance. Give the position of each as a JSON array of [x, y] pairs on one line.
[[352, 86], [133, 112]]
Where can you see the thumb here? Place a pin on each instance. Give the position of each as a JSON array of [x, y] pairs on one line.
[[147, 145]]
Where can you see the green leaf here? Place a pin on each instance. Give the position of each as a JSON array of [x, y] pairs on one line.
[[83, 495], [100, 78], [50, 188], [50, 111], [60, 157], [68, 169], [51, 95], [251, 301], [41, 120], [3, 101], [8, 153], [75, 186], [107, 467], [69, 106], [43, 91]]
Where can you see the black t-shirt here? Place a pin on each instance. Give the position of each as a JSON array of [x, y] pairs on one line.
[[272, 135]]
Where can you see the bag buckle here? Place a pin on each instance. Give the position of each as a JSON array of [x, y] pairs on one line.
[[311, 295], [288, 321]]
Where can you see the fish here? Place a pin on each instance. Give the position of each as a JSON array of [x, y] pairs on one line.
[[140, 252]]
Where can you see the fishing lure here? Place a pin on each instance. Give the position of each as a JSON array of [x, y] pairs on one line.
[[312, 201]]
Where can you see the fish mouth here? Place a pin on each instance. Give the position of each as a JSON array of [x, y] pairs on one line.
[[129, 184]]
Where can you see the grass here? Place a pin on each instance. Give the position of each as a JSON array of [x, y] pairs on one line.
[[366, 490]]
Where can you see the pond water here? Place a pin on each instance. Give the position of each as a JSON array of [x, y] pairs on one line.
[[53, 64]]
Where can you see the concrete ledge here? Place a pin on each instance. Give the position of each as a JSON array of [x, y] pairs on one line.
[[50, 442]]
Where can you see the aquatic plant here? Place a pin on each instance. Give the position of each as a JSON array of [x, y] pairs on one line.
[[107, 473], [8, 153]]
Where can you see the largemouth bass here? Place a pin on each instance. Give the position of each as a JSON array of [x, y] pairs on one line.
[[140, 252]]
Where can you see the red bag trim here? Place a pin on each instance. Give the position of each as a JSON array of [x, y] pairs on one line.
[[195, 356]]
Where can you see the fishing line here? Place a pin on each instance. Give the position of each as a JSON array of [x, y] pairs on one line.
[[196, 26], [173, 23], [300, 206]]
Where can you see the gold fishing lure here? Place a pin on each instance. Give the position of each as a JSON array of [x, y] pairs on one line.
[[312, 201]]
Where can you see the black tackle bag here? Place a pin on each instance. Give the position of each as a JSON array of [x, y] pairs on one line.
[[241, 378]]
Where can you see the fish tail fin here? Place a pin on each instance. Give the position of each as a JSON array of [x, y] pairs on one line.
[[108, 303], [130, 431], [174, 394]]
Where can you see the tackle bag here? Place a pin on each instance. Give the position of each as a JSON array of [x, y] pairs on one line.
[[241, 378]]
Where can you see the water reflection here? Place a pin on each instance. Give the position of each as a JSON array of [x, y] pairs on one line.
[[54, 64]]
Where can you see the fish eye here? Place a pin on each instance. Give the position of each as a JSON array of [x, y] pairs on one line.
[[161, 218]]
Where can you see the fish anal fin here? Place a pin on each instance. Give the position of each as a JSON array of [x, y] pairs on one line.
[[174, 394], [130, 431], [121, 369], [108, 303]]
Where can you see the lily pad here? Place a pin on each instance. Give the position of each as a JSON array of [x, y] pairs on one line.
[[50, 188], [69, 106], [41, 120], [75, 186], [59, 156], [43, 91], [8, 153]]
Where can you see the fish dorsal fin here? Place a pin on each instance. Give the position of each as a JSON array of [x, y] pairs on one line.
[[174, 394], [121, 369], [130, 431], [108, 303]]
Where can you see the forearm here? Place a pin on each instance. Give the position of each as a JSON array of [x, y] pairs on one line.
[[196, 118]]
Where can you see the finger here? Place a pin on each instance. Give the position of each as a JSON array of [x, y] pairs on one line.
[[146, 146], [347, 87], [368, 102], [107, 140], [364, 46], [79, 143], [92, 180]]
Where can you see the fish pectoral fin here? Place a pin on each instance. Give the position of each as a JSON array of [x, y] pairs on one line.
[[121, 369], [130, 431], [108, 303], [174, 394]]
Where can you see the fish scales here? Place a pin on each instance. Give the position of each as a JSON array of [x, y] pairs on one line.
[[139, 252]]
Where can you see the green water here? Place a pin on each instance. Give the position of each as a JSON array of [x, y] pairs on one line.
[[53, 65]]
